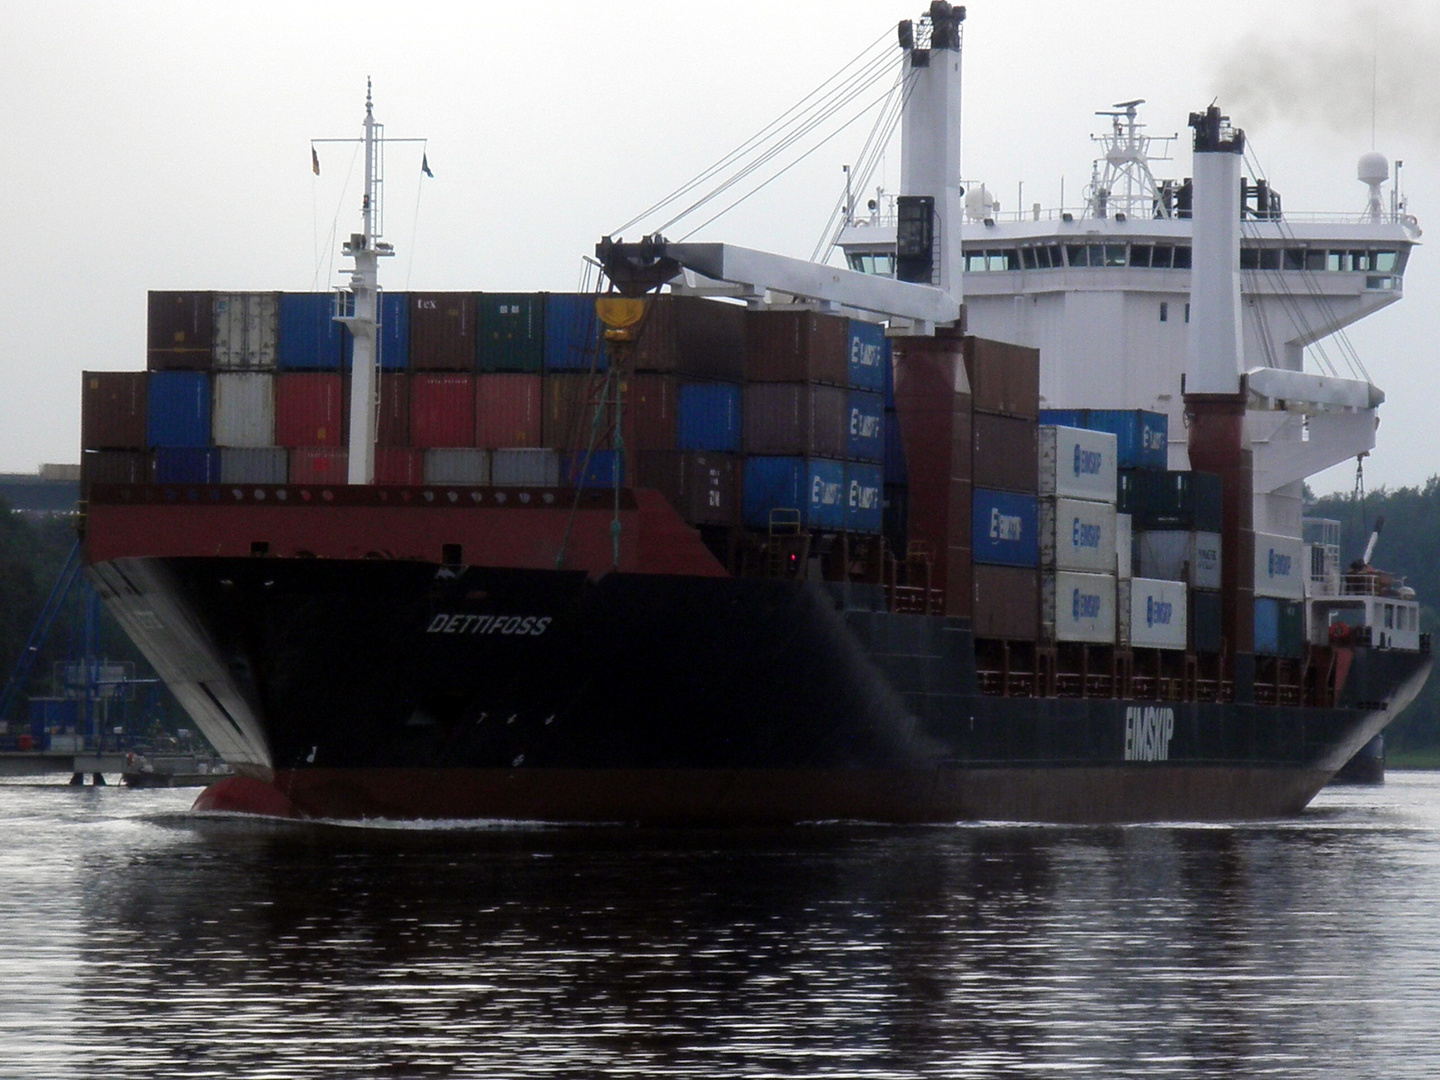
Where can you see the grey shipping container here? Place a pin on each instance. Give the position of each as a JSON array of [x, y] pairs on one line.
[[797, 346], [1191, 557], [690, 335], [1005, 453], [525, 468], [254, 465], [796, 419], [701, 485], [113, 408], [243, 412], [245, 330], [1007, 603], [457, 466]]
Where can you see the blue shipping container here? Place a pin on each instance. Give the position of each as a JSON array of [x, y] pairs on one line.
[[47, 713], [1005, 528], [869, 355], [1142, 437], [896, 471], [865, 439], [864, 498], [572, 333], [708, 417], [599, 472], [187, 465], [889, 376], [1267, 626], [309, 336], [179, 408], [815, 487], [394, 334]]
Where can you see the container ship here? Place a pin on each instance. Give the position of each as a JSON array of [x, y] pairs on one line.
[[746, 540]]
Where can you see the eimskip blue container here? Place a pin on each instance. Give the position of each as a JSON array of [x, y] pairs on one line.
[[394, 334], [869, 356], [601, 470], [572, 333], [187, 465], [864, 497], [309, 336], [865, 427], [178, 408], [813, 487], [708, 417], [1004, 528], [1142, 437]]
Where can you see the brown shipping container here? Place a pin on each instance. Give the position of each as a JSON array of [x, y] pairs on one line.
[[309, 410], [797, 346], [508, 411], [319, 465], [114, 467], [442, 331], [1003, 378], [702, 486], [442, 410], [1007, 603], [112, 410], [650, 412], [399, 465], [796, 418], [690, 335], [180, 331], [570, 408], [934, 416], [1006, 453], [393, 416]]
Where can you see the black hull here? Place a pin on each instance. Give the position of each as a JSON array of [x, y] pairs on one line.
[[402, 689]]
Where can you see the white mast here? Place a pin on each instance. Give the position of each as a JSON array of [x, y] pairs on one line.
[[930, 144], [360, 310]]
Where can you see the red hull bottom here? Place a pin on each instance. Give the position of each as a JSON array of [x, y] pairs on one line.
[[775, 796]]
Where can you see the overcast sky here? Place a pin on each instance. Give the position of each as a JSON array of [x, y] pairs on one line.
[[167, 146]]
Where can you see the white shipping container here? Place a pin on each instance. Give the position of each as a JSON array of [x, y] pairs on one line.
[[457, 466], [1077, 607], [525, 468], [1153, 614], [1176, 555], [245, 330], [254, 465], [1279, 567], [1124, 547], [1078, 464], [244, 409], [1076, 534]]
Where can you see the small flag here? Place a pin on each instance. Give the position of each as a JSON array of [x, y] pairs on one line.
[[425, 165], [314, 161]]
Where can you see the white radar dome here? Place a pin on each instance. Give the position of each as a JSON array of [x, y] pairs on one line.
[[1373, 169]]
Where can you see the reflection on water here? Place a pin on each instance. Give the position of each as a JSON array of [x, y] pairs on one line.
[[140, 941]]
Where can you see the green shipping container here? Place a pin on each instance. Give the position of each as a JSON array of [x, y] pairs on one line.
[[1292, 629], [511, 332]]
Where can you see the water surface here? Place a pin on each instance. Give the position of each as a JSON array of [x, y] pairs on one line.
[[141, 941]]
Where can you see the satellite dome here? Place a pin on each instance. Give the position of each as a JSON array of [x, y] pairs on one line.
[[1373, 168]]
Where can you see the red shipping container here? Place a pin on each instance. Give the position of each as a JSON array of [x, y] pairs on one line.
[[393, 420], [309, 410], [442, 331], [319, 465], [180, 331], [1004, 378], [571, 403], [113, 410], [650, 410], [442, 410], [399, 465], [508, 412], [114, 467]]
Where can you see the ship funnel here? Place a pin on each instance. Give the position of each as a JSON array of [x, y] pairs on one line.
[[1213, 362], [931, 204]]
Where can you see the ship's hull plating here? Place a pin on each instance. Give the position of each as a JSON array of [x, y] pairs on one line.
[[378, 688]]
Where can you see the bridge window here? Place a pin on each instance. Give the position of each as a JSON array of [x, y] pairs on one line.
[[1140, 254], [1077, 254], [1114, 255], [1385, 261], [1249, 258], [1163, 256], [881, 263], [1164, 311], [1182, 258], [1027, 255]]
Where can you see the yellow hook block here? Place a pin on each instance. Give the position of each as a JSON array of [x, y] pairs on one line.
[[618, 312]]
